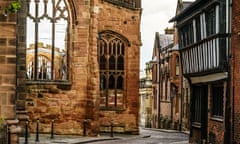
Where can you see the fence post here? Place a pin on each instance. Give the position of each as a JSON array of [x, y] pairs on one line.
[[84, 127], [26, 133], [37, 129], [52, 130], [111, 129], [9, 134]]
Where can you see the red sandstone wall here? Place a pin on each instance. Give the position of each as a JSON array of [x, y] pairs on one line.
[[7, 64], [70, 104], [127, 23]]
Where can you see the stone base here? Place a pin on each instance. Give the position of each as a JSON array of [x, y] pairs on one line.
[[14, 130]]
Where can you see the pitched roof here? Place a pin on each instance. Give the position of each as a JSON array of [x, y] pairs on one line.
[[175, 47], [165, 40], [161, 41], [188, 7], [185, 5]]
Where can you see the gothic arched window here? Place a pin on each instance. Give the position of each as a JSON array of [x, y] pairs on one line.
[[47, 27], [111, 55]]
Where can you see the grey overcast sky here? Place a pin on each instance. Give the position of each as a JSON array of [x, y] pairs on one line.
[[155, 17]]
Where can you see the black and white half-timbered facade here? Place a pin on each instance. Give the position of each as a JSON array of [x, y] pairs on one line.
[[204, 41]]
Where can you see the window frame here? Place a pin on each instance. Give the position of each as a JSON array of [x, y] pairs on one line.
[[36, 20], [197, 99], [198, 28], [186, 33], [211, 21], [112, 44], [177, 65], [217, 101]]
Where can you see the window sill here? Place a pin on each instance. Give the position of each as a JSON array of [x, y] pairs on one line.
[[112, 109], [217, 118], [40, 82], [165, 101], [196, 125], [64, 85]]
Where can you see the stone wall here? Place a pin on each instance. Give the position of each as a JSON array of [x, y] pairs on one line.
[[127, 23], [8, 59], [71, 102], [7, 64]]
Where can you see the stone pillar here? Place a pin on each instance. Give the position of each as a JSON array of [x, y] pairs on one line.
[[14, 130], [21, 113], [93, 79]]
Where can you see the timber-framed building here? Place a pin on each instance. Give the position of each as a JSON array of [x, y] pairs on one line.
[[204, 40]]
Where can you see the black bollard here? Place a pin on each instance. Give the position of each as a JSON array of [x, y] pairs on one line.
[[84, 127], [26, 133], [9, 135], [111, 129], [37, 131], [52, 130]]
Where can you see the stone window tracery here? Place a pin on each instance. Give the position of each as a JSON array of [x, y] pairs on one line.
[[47, 26], [111, 56]]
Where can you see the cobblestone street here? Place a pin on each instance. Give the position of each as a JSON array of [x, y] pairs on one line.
[[146, 136], [152, 136]]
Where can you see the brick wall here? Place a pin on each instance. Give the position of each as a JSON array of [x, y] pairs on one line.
[[235, 69], [215, 132], [216, 127]]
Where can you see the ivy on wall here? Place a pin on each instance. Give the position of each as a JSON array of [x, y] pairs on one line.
[[10, 8]]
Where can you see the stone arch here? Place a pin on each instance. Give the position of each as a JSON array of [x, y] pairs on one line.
[[72, 11], [110, 32], [113, 46], [21, 51]]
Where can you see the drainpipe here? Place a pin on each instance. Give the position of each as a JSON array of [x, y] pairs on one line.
[[233, 89], [227, 133], [181, 100], [181, 110], [227, 107], [159, 77]]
